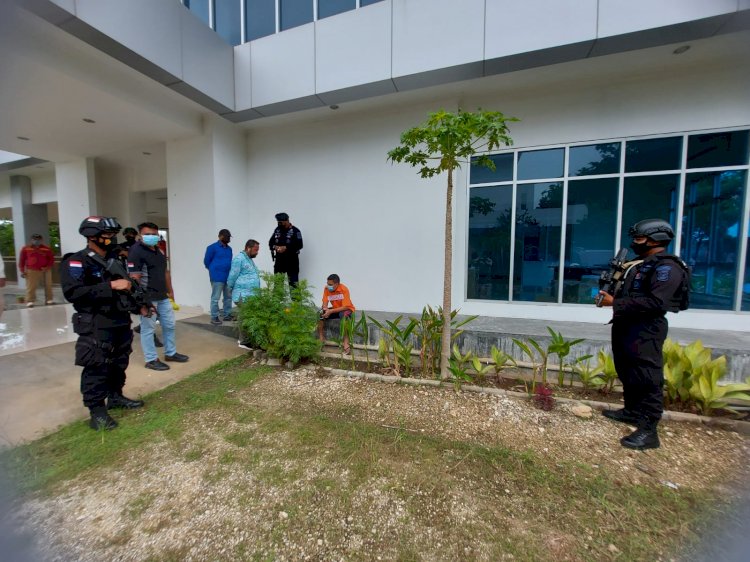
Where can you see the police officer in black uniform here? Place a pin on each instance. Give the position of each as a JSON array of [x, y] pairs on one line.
[[285, 244], [103, 301], [652, 287]]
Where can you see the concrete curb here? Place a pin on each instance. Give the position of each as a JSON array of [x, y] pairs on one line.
[[717, 423]]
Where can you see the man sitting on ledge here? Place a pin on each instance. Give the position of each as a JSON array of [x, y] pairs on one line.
[[336, 304]]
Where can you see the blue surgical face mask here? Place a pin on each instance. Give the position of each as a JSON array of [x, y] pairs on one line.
[[150, 239], [330, 287]]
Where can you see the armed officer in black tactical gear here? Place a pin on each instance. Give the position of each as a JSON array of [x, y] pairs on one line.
[[654, 284], [103, 297], [285, 244]]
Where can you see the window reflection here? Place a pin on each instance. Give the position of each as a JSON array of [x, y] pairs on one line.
[[537, 246], [199, 8], [227, 20], [295, 12], [489, 242], [260, 18], [653, 154], [594, 159], [711, 236], [328, 8], [717, 149], [503, 170], [648, 197], [540, 164], [590, 236]]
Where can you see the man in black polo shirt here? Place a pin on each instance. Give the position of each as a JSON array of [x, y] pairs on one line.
[[149, 266]]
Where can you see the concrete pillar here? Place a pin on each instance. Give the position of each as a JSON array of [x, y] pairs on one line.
[[76, 199], [207, 190], [28, 218]]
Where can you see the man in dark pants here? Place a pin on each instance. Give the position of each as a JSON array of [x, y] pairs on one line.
[[285, 244], [653, 285], [103, 302]]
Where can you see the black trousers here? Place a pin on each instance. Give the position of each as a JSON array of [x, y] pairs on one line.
[[637, 351], [291, 268], [104, 356]]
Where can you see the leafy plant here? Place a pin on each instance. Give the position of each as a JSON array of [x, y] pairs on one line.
[[480, 369], [348, 332], [397, 339], [458, 366], [428, 331], [538, 367], [678, 371], [442, 144], [591, 376], [362, 330], [560, 347], [500, 360], [543, 398], [281, 321], [606, 367]]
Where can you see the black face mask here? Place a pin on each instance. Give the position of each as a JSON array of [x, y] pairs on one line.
[[106, 244], [130, 238], [640, 249]]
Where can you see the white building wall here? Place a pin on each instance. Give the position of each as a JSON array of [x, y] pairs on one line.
[[43, 187], [380, 226]]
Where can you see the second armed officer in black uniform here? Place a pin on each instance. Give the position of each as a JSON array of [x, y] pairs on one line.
[[653, 285], [103, 297]]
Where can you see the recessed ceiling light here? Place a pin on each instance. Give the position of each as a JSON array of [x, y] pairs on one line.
[[334, 106], [146, 153], [23, 138], [87, 120], [680, 50]]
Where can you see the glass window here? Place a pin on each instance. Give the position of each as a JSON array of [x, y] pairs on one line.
[[540, 164], [295, 12], [503, 170], [711, 241], [328, 8], [746, 283], [594, 159], [653, 154], [260, 18], [199, 8], [648, 197], [368, 2], [717, 149], [489, 242], [227, 20], [590, 236], [537, 246]]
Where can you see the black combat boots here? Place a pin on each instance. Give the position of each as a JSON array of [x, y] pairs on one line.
[[120, 401], [622, 415], [642, 439], [100, 419]]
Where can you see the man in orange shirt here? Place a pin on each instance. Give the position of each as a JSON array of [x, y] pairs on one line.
[[36, 263], [336, 304]]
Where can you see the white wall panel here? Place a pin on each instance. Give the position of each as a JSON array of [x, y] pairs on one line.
[[353, 48], [243, 98], [617, 17], [43, 187], [5, 201], [433, 34], [207, 60], [149, 28], [283, 66], [517, 27]]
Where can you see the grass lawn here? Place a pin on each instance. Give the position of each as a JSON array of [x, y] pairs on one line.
[[244, 463]]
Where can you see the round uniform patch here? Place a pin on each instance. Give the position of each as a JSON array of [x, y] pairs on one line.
[[662, 273]]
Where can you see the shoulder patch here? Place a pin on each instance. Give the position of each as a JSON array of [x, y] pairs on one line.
[[662, 272], [75, 268]]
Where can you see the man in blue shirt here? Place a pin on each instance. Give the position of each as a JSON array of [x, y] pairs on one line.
[[218, 262]]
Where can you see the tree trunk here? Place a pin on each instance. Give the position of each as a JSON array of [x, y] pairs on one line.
[[447, 272]]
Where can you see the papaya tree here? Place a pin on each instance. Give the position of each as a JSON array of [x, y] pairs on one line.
[[442, 144]]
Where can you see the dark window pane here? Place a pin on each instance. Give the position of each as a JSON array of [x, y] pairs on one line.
[[328, 8], [746, 283], [260, 18], [653, 154], [503, 170], [227, 20], [594, 159], [489, 242], [295, 12], [712, 216], [590, 236], [368, 2], [539, 164], [199, 8], [648, 197], [537, 247], [717, 149]]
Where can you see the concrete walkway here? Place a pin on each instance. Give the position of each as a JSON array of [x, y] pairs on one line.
[[39, 384]]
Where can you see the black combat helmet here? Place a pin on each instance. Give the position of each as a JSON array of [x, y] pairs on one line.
[[656, 229], [94, 226]]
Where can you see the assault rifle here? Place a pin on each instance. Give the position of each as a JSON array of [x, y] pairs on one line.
[[611, 279], [118, 270]]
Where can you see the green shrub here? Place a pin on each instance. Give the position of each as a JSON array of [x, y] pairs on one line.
[[281, 320]]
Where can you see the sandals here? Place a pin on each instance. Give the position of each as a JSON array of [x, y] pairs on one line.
[[347, 350]]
